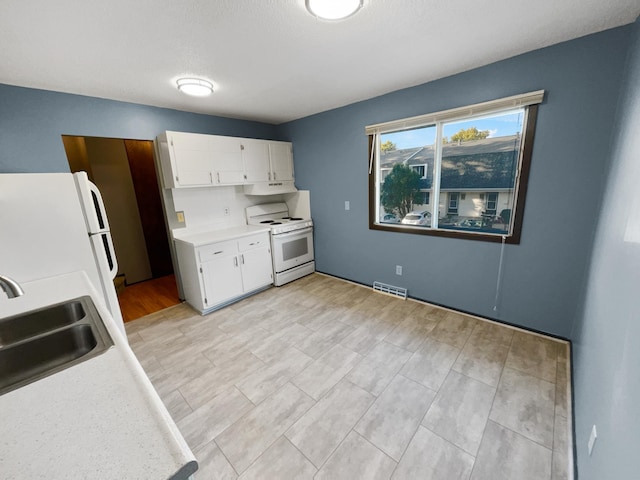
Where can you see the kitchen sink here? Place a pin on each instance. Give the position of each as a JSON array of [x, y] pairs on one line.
[[36, 344], [39, 321]]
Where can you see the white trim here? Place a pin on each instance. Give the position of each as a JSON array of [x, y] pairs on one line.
[[507, 103]]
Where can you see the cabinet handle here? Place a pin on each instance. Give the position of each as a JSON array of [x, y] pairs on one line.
[[242, 258], [274, 175], [218, 173], [216, 253], [235, 261], [211, 177], [269, 176]]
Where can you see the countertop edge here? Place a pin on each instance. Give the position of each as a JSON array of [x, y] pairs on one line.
[[200, 238]]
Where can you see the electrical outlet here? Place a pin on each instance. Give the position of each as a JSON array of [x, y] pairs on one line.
[[180, 216], [347, 205], [398, 269], [227, 211], [592, 439]]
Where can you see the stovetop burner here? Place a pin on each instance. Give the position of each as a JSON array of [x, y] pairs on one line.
[[277, 217]]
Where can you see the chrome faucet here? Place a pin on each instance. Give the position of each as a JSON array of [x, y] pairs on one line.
[[11, 287]]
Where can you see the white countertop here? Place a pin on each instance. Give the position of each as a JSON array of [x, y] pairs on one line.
[[199, 238], [100, 419]]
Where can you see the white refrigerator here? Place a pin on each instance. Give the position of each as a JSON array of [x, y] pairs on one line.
[[56, 223]]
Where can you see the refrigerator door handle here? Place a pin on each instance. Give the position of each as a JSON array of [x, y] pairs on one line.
[[110, 253], [98, 204], [92, 204]]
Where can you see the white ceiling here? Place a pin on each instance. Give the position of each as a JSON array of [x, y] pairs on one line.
[[270, 60]]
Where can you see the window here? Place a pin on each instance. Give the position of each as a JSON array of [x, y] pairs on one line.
[[452, 208], [419, 169], [492, 203], [473, 161]]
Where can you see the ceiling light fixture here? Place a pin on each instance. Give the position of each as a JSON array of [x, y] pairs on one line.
[[196, 87], [333, 9]]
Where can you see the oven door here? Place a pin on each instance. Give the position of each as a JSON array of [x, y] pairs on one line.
[[292, 249]]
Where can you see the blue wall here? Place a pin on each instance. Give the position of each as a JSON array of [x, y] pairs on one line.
[[32, 122], [607, 336], [543, 276]]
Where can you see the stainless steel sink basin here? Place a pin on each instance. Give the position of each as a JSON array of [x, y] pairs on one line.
[[40, 321], [42, 342]]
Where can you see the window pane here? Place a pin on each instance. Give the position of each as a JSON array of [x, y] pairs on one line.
[[478, 175], [405, 175]]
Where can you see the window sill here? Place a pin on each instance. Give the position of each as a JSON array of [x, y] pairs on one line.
[[482, 237]]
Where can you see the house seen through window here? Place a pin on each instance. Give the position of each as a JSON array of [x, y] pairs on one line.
[[469, 165]]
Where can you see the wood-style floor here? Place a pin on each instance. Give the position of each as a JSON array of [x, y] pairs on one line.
[[325, 379], [144, 298]]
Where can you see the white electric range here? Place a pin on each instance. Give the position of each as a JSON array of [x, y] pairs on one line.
[[291, 241]]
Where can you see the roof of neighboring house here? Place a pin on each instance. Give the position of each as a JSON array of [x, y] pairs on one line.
[[489, 163]]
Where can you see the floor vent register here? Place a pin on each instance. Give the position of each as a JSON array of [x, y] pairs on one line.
[[390, 290]]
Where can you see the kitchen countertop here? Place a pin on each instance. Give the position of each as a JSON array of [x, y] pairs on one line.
[[199, 238], [100, 419]]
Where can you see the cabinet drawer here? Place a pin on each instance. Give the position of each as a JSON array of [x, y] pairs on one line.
[[216, 250], [254, 241]]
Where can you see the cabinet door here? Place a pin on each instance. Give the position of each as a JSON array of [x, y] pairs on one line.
[[192, 160], [227, 160], [256, 268], [222, 279], [255, 156], [281, 158]]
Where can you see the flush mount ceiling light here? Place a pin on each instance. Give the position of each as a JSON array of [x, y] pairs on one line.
[[196, 87], [333, 9]]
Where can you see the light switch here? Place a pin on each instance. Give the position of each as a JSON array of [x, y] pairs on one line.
[[347, 206], [180, 216]]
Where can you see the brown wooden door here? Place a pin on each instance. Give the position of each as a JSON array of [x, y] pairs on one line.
[[145, 184]]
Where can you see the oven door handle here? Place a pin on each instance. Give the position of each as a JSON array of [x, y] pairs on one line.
[[282, 236]]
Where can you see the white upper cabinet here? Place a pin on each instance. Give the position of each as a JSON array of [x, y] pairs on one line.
[[190, 159], [255, 155], [196, 160], [267, 160], [281, 158], [227, 160]]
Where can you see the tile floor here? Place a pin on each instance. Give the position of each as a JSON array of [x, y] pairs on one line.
[[326, 379]]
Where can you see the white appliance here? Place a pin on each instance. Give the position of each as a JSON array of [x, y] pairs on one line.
[[291, 241], [56, 223]]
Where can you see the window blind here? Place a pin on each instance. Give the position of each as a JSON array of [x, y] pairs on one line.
[[516, 101]]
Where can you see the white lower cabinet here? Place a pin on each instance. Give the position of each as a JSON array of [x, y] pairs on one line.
[[256, 268], [219, 273], [221, 280]]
